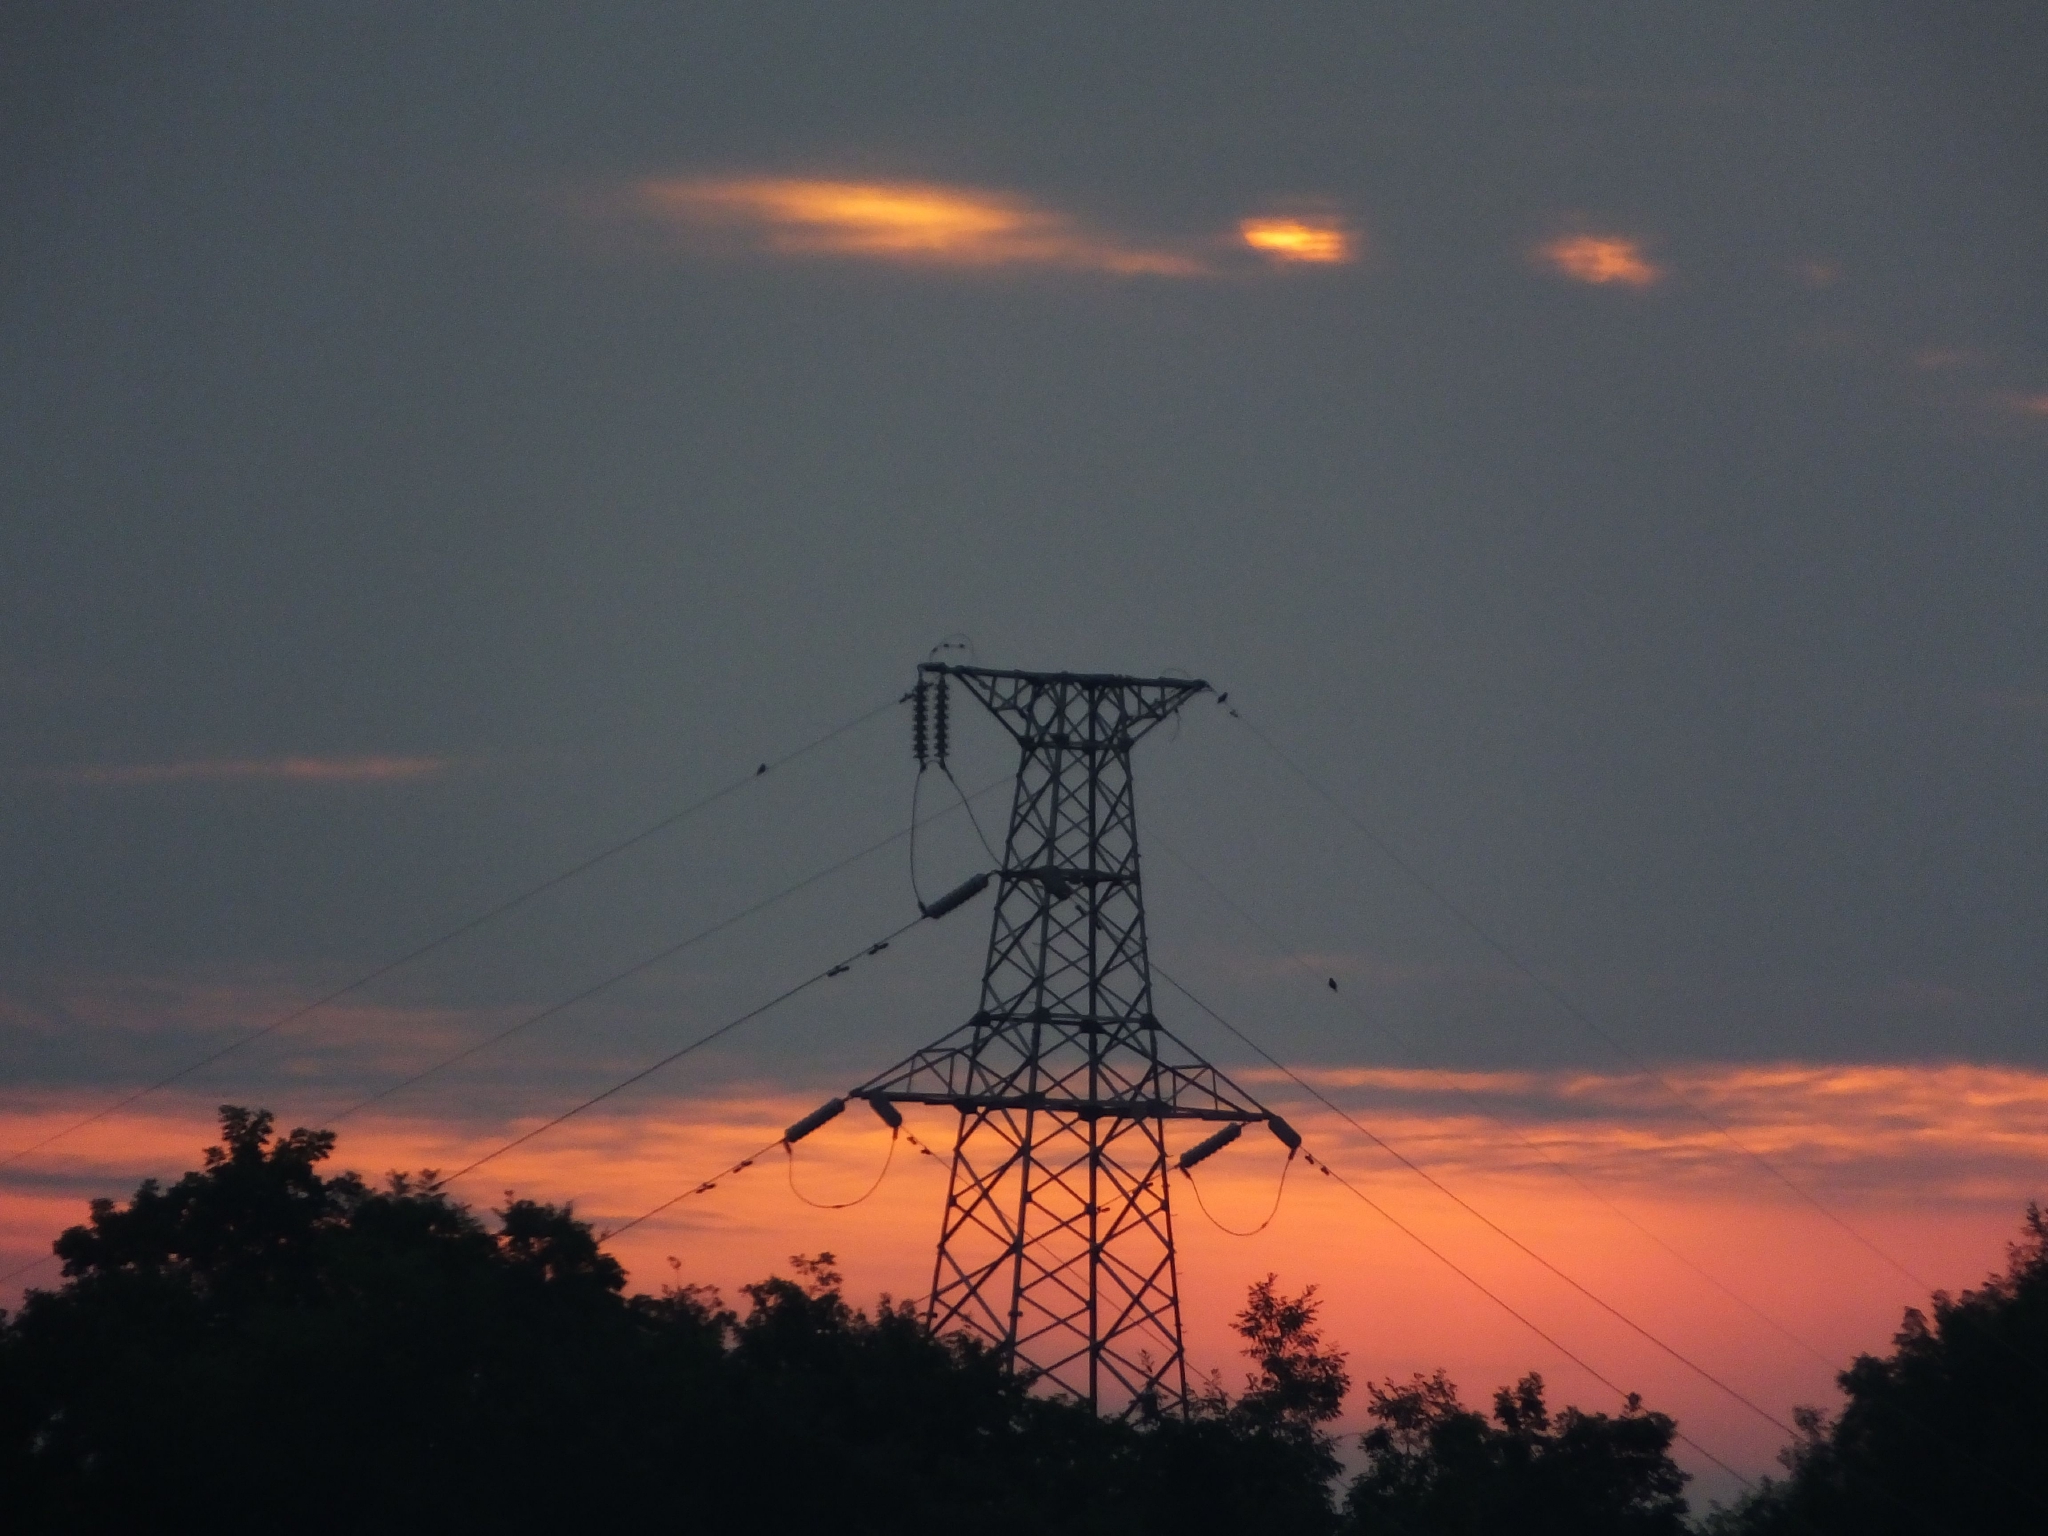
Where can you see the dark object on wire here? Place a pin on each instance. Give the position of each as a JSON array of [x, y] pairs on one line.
[[830, 1110], [959, 896]]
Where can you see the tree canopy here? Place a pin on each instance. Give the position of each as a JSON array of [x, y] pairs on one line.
[[263, 1335], [1947, 1433]]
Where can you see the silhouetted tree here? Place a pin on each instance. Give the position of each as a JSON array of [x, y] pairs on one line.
[[264, 1339], [1262, 1462], [262, 1336], [1437, 1468], [1948, 1433]]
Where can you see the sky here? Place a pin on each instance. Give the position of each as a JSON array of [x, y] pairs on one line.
[[1601, 454]]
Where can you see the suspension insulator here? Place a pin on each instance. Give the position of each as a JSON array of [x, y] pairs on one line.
[[917, 723], [1209, 1148], [1290, 1138], [939, 722], [890, 1115], [959, 896], [829, 1110]]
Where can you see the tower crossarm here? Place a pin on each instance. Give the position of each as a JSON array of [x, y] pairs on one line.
[[1088, 712], [976, 1067]]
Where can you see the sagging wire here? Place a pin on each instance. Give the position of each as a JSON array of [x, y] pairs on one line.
[[916, 785], [1278, 1194], [1472, 1101], [639, 966], [1502, 1302], [708, 1185], [701, 1041], [450, 935], [789, 1164], [1478, 1215], [1565, 1003]]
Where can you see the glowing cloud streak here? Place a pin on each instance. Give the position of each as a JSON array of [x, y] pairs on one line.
[[1602, 260], [910, 223], [1314, 242]]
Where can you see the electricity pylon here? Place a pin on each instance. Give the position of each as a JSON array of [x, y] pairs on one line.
[[1057, 1240]]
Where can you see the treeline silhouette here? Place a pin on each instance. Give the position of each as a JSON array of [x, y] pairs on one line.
[[261, 1341]]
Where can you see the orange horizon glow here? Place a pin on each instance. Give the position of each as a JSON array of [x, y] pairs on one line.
[[925, 223], [1298, 240], [1933, 1162], [1601, 260]]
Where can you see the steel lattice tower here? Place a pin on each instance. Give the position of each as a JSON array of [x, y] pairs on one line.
[[1057, 1240]]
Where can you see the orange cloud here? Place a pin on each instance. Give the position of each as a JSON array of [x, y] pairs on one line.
[[1318, 241], [919, 223], [1958, 1130], [1601, 260], [288, 770]]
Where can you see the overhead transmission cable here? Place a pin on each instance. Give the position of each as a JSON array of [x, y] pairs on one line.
[[450, 935], [1465, 1205], [1432, 1250], [742, 1166], [637, 967], [1558, 996], [1472, 1100], [703, 1188], [838, 968]]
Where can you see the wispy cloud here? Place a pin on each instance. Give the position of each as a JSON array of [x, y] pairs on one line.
[[1959, 1127], [274, 770], [902, 222], [1602, 260], [1311, 240]]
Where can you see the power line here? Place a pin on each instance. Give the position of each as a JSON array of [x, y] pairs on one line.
[[1927, 1427], [1415, 1054], [1491, 1225], [703, 1188], [1499, 1301], [666, 953], [836, 969], [613, 980], [22, 1269], [469, 925], [1563, 1001]]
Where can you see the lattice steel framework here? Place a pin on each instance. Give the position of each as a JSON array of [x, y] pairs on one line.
[[1057, 1240]]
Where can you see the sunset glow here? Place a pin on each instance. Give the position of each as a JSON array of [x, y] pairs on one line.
[[1601, 260], [1934, 1162], [1297, 240], [906, 222]]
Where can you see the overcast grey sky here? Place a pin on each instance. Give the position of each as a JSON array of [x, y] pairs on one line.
[[359, 410]]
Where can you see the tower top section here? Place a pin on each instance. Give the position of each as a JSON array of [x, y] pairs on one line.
[[1073, 711]]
